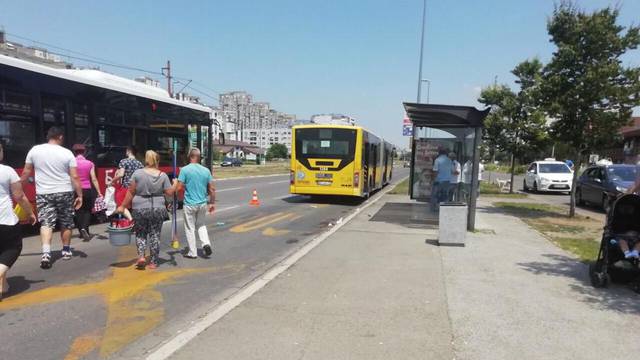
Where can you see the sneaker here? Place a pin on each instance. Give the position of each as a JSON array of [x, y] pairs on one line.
[[66, 255], [141, 263], [207, 250], [633, 254], [152, 266], [85, 235], [45, 262], [189, 256]]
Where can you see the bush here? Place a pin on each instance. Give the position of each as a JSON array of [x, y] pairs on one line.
[[277, 151]]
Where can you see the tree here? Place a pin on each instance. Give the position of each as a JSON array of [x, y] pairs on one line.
[[277, 151], [516, 125], [585, 86]]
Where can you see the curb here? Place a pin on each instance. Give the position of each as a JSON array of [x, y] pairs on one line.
[[211, 316]]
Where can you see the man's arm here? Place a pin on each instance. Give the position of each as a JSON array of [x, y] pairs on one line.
[[75, 181], [212, 196], [26, 172]]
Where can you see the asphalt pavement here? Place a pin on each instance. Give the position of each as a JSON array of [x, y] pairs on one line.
[[96, 305]]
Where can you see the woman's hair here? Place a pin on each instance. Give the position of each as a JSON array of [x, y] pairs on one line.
[[151, 159]]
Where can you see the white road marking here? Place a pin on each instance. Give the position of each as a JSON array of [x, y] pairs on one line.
[[168, 348], [278, 182], [226, 209], [281, 197], [230, 189]]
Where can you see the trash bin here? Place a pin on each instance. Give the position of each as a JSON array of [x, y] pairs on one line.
[[452, 227]]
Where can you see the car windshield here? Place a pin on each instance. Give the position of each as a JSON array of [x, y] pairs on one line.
[[554, 168], [623, 173]]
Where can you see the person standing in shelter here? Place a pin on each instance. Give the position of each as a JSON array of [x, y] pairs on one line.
[[199, 196], [146, 193], [126, 168], [456, 178], [87, 175], [10, 233], [56, 181], [442, 169]]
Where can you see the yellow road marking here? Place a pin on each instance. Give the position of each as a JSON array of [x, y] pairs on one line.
[[84, 345], [274, 232], [261, 222], [134, 307]]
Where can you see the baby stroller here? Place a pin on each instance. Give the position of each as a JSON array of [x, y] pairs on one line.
[[611, 265]]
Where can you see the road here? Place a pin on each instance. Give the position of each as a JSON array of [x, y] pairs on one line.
[[96, 305], [560, 199]]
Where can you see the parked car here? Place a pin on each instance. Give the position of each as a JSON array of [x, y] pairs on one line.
[[231, 162], [600, 184], [548, 175]]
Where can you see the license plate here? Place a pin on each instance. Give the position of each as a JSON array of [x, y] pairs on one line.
[[559, 186], [324, 176]]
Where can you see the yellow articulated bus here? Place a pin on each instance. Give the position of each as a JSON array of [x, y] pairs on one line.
[[338, 160]]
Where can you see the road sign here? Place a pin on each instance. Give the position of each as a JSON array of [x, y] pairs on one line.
[[407, 126]]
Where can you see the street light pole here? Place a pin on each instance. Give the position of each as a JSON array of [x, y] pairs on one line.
[[428, 88], [424, 14]]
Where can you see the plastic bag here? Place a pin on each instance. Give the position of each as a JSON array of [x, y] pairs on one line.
[[22, 215], [109, 199]]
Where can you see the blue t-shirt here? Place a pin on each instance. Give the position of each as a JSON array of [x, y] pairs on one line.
[[195, 178], [444, 166]]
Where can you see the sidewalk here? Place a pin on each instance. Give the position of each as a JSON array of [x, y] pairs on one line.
[[383, 290], [372, 290]]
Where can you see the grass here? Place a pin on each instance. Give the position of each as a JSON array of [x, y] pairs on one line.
[[402, 188], [493, 190], [579, 235], [506, 169], [252, 170]]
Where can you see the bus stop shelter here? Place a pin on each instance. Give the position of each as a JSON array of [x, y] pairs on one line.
[[445, 130]]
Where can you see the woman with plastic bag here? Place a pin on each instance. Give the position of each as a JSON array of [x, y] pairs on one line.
[[10, 233], [146, 194]]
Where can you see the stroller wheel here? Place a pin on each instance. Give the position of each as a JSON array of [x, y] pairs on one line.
[[598, 279]]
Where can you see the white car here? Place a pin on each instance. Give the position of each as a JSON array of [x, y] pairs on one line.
[[548, 175]]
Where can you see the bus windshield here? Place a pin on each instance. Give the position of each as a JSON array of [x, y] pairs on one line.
[[325, 143]]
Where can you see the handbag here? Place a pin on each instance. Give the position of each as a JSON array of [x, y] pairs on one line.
[[99, 205]]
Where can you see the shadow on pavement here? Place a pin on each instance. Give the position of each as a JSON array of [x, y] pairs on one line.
[[410, 215], [517, 211], [324, 199], [19, 284], [617, 297]]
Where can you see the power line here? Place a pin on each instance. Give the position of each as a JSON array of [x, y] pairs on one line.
[[105, 62]]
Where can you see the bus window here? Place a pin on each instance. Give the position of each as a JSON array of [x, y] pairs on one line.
[[17, 135], [325, 143], [112, 144], [163, 145]]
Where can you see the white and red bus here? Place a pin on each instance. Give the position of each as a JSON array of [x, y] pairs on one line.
[[102, 111]]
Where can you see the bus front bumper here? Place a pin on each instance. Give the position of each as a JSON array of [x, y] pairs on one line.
[[316, 190]]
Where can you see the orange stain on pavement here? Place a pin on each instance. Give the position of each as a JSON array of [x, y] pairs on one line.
[[134, 306]]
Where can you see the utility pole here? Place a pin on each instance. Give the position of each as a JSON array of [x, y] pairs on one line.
[[168, 75], [424, 14]]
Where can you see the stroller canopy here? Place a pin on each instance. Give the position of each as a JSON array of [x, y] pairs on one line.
[[624, 214]]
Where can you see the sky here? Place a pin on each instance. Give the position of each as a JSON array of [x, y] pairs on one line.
[[354, 57]]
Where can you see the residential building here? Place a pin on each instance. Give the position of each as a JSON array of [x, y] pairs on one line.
[[332, 119], [264, 138], [245, 119], [31, 53], [240, 150], [631, 136]]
